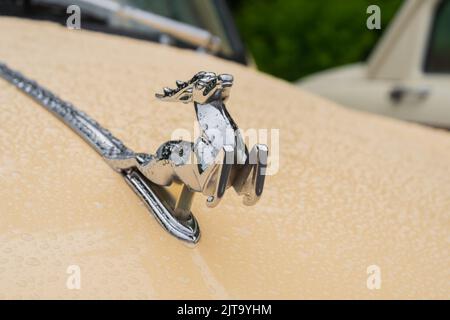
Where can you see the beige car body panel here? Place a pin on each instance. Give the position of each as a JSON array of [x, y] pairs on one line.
[[352, 190], [397, 61]]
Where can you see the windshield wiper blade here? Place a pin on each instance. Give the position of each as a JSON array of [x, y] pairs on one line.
[[107, 9]]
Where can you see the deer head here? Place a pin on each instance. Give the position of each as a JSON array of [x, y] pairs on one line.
[[200, 89]]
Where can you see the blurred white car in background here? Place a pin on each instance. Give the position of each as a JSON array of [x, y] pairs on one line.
[[408, 74]]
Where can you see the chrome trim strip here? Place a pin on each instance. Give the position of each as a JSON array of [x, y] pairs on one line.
[[109, 147]]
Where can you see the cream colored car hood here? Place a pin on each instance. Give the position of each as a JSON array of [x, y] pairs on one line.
[[353, 189]]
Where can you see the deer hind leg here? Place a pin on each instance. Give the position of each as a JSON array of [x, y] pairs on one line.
[[156, 170], [251, 176], [171, 162], [120, 163]]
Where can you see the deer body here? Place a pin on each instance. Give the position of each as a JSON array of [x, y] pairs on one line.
[[217, 160]]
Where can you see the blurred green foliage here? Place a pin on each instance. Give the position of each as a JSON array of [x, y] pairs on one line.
[[294, 38]]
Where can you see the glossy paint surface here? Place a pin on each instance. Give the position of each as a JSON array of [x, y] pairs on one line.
[[352, 189]]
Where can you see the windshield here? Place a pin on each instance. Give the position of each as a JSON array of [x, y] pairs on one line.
[[199, 13], [210, 15], [181, 10]]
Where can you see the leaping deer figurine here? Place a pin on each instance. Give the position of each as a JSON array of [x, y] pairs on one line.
[[219, 157]]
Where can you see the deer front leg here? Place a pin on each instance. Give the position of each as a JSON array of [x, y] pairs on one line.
[[251, 176], [216, 178]]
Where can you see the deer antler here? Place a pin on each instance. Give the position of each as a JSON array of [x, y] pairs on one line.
[[183, 91]]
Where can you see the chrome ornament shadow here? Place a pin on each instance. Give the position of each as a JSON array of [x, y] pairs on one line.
[[167, 180]]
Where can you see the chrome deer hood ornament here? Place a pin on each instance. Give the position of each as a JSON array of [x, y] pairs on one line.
[[216, 161], [167, 180]]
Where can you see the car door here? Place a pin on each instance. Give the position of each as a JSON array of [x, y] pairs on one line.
[[424, 96], [435, 78]]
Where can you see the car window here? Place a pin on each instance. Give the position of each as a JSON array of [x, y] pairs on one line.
[[438, 57]]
